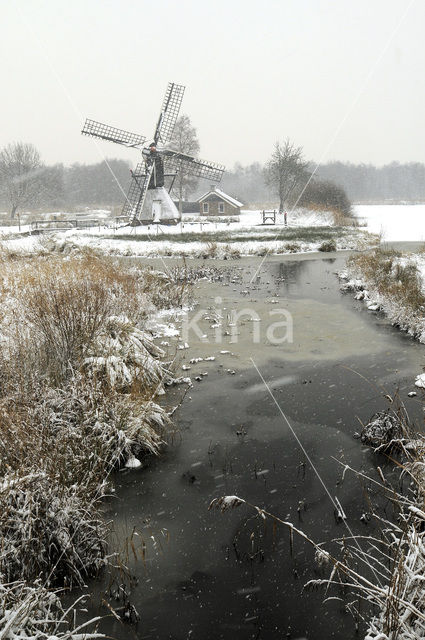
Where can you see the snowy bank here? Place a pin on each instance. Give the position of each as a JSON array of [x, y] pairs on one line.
[[197, 237], [391, 282], [207, 246], [80, 377]]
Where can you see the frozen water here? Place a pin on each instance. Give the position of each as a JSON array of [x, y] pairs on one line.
[[396, 223]]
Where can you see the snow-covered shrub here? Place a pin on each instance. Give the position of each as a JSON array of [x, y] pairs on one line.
[[328, 245], [391, 275], [229, 252], [56, 454], [124, 356], [36, 613], [53, 311], [112, 426], [385, 430], [163, 289], [79, 434], [48, 531], [208, 250], [292, 247], [325, 195]]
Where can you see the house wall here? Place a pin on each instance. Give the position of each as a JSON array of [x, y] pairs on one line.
[[188, 206], [213, 202]]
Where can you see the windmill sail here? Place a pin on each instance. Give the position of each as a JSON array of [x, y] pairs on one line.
[[169, 112], [137, 192], [106, 132], [198, 168]]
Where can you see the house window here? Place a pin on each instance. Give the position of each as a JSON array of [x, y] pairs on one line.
[[221, 207], [205, 207]]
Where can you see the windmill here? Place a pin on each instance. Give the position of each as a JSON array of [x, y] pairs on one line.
[[148, 200]]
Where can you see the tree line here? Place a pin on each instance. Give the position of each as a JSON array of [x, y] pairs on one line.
[[26, 183], [365, 182], [361, 182]]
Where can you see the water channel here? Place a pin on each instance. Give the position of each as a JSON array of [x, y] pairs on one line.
[[206, 575]]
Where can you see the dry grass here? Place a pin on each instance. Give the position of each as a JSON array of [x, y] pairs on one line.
[[328, 246], [389, 277], [78, 378], [291, 247], [63, 306], [342, 220], [164, 289], [36, 613]]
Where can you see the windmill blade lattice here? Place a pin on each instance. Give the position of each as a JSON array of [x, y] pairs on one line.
[[196, 167], [106, 132], [169, 112], [137, 192]]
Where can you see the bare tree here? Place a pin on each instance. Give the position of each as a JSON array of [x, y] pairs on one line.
[[21, 176], [285, 170], [185, 140]]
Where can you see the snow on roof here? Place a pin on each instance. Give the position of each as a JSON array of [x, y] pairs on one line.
[[229, 199]]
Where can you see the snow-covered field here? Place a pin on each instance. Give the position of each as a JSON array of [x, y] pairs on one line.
[[193, 236], [401, 222]]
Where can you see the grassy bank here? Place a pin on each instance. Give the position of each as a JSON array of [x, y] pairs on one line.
[[393, 282], [79, 380], [220, 244], [300, 234]]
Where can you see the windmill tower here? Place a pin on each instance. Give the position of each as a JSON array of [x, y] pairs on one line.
[[148, 200]]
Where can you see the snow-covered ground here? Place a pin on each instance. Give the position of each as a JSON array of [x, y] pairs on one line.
[[300, 217], [193, 236], [401, 222], [391, 222], [192, 223], [154, 246]]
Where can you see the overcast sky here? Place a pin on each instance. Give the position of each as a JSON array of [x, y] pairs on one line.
[[344, 79]]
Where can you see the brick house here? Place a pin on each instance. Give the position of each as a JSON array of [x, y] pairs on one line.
[[217, 203]]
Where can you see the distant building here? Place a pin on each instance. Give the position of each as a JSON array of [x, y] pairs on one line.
[[218, 203]]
